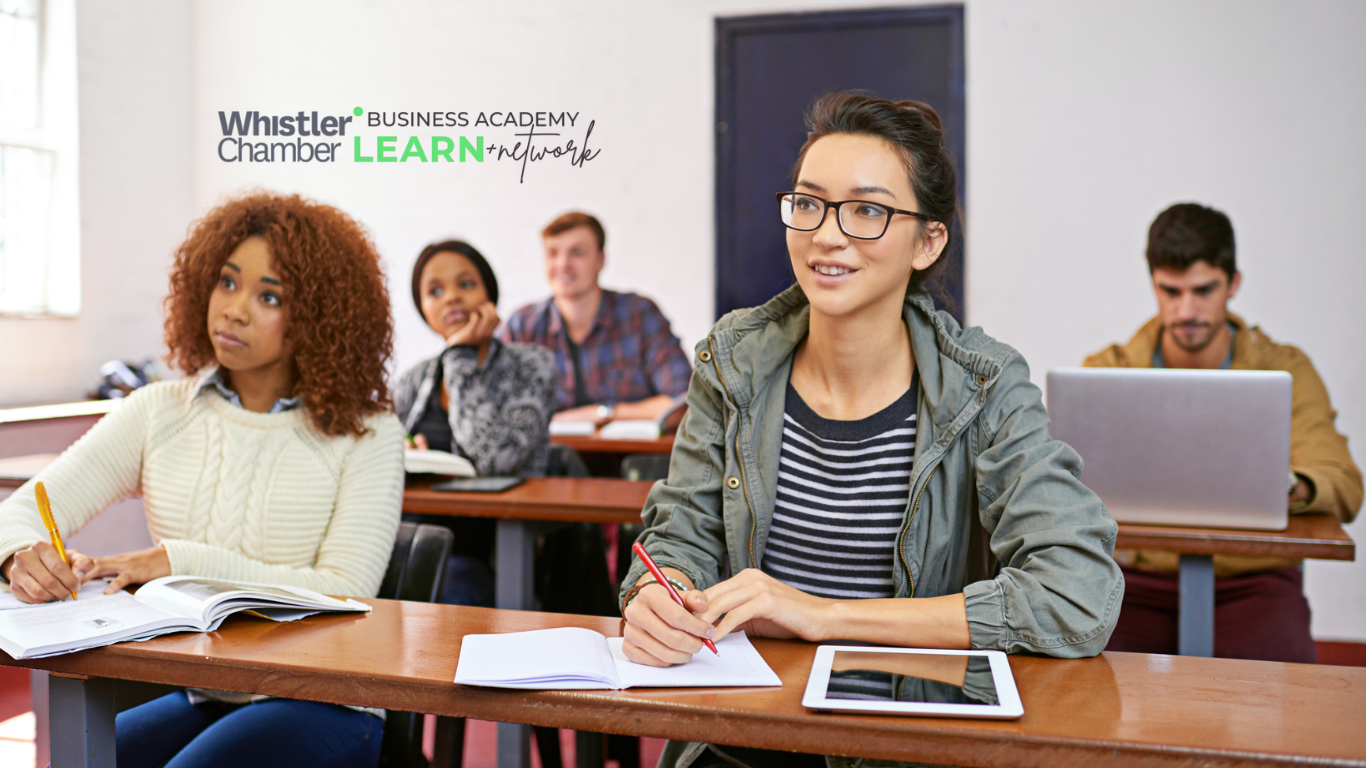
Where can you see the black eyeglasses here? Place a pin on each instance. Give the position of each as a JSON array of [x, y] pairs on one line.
[[861, 220]]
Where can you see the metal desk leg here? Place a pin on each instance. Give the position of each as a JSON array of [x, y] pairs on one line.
[[515, 556], [589, 749], [37, 685], [512, 590], [82, 722], [1195, 628]]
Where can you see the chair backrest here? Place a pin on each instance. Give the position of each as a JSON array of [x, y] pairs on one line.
[[645, 466], [417, 569], [417, 566], [565, 462]]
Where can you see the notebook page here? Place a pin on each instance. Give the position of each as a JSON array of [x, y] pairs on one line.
[[561, 658], [738, 665]]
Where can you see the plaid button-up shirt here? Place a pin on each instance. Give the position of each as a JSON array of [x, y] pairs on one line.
[[629, 354]]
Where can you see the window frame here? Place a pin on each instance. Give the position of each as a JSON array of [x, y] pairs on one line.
[[56, 290]]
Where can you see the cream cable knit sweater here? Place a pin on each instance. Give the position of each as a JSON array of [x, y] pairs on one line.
[[229, 493]]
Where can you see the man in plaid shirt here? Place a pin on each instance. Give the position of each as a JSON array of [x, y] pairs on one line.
[[614, 353]]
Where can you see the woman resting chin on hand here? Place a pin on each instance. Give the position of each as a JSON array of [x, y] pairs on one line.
[[480, 398], [275, 460], [866, 468]]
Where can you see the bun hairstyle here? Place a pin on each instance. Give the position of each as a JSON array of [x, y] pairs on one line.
[[914, 130]]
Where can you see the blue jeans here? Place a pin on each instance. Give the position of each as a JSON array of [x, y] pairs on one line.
[[172, 732], [469, 581]]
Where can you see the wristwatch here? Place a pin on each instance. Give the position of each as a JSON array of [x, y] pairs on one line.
[[607, 410]]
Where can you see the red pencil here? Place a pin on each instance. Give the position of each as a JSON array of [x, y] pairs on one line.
[[659, 577]]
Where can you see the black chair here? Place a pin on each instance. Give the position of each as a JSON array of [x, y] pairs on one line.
[[563, 461], [416, 571], [645, 466]]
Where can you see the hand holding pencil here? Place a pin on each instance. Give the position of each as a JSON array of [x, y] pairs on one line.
[[45, 509], [662, 626], [43, 572]]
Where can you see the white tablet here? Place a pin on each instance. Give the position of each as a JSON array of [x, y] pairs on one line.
[[912, 681]]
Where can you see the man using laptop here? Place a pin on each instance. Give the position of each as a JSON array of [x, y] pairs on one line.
[[615, 354], [1260, 610]]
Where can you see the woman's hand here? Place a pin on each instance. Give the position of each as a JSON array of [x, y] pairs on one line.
[[581, 413], [660, 632], [478, 329], [137, 567], [765, 607], [417, 442], [38, 575]]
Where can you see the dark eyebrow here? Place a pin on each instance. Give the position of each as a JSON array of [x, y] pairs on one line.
[[270, 280], [855, 190], [862, 190], [235, 268], [1211, 285]]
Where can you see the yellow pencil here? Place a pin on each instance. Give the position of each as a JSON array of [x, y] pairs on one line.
[[45, 509]]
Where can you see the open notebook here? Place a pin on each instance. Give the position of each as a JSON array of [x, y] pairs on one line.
[[574, 658], [160, 607]]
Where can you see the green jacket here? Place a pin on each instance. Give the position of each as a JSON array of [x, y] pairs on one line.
[[996, 509]]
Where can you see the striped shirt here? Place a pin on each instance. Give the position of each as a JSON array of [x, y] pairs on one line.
[[843, 487]]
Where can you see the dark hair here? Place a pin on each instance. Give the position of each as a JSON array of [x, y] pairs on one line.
[[915, 132], [1189, 232], [464, 249], [338, 307], [575, 219]]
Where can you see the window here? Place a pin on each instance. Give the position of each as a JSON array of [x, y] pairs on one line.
[[39, 239]]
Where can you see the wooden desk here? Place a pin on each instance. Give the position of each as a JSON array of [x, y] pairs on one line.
[[1315, 536], [605, 500], [594, 444], [17, 470], [1114, 710], [570, 499], [538, 499]]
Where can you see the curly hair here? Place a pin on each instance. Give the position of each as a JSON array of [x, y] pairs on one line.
[[337, 303]]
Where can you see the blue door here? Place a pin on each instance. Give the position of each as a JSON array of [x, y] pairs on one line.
[[769, 69]]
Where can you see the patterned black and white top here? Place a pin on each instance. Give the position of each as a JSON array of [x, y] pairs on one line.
[[843, 487], [500, 410]]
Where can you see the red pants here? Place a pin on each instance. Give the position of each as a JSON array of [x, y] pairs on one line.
[[1256, 616]]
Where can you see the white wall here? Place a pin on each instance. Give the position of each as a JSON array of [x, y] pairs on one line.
[[653, 120], [1084, 121], [133, 82]]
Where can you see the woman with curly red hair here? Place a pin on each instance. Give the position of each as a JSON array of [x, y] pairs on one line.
[[276, 460]]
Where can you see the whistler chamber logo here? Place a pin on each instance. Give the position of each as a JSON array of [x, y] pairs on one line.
[[514, 138]]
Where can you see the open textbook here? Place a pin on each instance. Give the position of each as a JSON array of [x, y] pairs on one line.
[[160, 607], [627, 429], [427, 461], [574, 658]]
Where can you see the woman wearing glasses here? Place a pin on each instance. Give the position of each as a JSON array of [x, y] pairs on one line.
[[855, 465]]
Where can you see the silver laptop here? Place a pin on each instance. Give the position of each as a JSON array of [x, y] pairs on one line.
[[1179, 447]]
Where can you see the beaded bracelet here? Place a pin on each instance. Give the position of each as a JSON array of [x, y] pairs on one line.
[[635, 591]]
